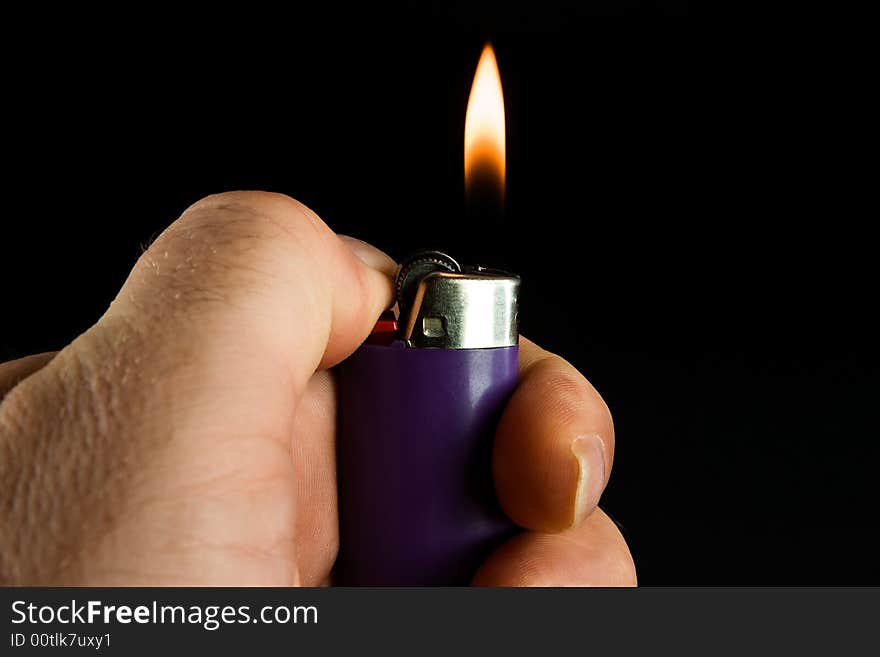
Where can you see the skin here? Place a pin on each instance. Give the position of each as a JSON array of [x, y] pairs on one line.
[[187, 438]]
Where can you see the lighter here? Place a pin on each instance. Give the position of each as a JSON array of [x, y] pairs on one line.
[[417, 416]]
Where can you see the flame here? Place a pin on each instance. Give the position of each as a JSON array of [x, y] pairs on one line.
[[484, 150]]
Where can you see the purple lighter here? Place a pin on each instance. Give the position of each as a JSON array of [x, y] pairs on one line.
[[417, 417]]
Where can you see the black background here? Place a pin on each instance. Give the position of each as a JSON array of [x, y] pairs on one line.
[[721, 316]]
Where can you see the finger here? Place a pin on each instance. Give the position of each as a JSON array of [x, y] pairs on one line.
[[15, 371], [314, 457], [554, 445], [195, 372], [250, 293], [283, 274], [593, 554], [370, 255]]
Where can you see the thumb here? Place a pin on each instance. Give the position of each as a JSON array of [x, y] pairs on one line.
[[193, 372], [247, 293], [266, 266]]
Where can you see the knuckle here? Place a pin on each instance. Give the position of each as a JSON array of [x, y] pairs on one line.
[[256, 200], [262, 209], [227, 244]]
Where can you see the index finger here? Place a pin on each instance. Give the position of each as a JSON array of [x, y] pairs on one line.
[[554, 446]]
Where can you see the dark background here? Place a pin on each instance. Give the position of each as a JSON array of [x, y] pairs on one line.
[[725, 324]]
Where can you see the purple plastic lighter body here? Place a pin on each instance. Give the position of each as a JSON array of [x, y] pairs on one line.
[[417, 505]]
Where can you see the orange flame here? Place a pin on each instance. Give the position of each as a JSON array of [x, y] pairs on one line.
[[484, 138]]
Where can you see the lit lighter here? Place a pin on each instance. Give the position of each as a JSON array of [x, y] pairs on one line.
[[417, 417]]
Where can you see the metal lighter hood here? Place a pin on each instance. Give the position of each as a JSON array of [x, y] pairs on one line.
[[446, 306]]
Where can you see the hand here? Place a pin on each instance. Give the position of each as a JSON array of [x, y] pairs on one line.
[[188, 437]]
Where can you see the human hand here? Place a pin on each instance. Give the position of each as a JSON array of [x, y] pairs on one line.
[[188, 437]]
